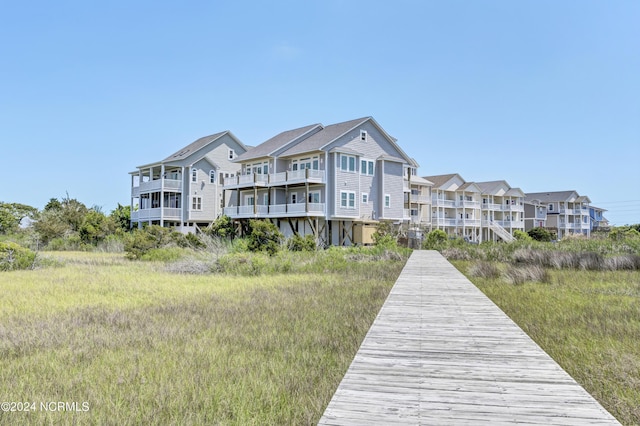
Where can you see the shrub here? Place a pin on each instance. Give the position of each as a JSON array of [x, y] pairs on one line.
[[70, 242], [222, 227], [386, 235], [540, 234], [264, 236], [435, 240], [521, 235], [299, 243], [14, 257]]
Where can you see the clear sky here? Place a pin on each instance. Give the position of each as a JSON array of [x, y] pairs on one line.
[[542, 94]]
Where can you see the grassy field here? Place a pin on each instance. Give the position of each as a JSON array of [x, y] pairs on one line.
[[587, 320], [129, 342]]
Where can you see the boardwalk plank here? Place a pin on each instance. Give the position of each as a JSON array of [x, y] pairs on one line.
[[440, 352]]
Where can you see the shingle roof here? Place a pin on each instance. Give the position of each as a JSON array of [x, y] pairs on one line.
[[441, 179], [194, 146], [544, 197], [490, 185], [279, 141], [466, 185], [323, 137], [421, 181]]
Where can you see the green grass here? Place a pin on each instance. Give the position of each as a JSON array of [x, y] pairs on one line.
[[142, 345], [588, 321]]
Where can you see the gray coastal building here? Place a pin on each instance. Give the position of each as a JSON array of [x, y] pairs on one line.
[[334, 182], [563, 212], [476, 211], [185, 189]]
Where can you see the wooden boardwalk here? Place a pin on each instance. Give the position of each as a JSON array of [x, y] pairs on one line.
[[441, 353]]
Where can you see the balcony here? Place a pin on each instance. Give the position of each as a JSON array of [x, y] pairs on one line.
[[165, 213], [157, 185], [420, 199], [275, 179], [276, 210], [439, 202]]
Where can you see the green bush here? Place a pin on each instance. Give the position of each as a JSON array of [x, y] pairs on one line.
[[299, 243], [264, 236], [222, 227], [436, 240], [14, 257], [521, 235], [540, 234], [386, 235], [72, 242]]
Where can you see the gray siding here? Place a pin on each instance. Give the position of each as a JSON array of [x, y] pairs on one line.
[[393, 185], [375, 145]]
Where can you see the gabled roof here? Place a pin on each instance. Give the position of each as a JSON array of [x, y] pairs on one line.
[[550, 197], [469, 186], [324, 137], [491, 186], [279, 141], [194, 146], [199, 144], [515, 192], [420, 181], [321, 140], [440, 180]]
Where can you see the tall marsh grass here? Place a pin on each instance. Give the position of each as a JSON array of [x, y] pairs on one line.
[[261, 344], [582, 311]]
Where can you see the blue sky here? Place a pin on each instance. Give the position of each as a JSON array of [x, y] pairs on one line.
[[543, 94]]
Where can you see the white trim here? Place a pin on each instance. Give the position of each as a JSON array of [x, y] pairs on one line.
[[387, 201], [349, 200], [196, 203]]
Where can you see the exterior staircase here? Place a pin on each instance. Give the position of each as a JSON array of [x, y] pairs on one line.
[[501, 232]]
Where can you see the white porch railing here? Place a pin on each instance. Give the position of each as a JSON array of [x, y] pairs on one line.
[[157, 185], [276, 179], [276, 210]]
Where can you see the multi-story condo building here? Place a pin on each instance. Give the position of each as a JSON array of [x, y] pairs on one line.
[[334, 182], [564, 212], [418, 201], [185, 189], [502, 209], [476, 211], [598, 221]]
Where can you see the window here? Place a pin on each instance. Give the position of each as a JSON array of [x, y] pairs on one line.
[[365, 198], [196, 203], [265, 199], [550, 207], [387, 200], [232, 154], [348, 199], [314, 197], [348, 163], [294, 198], [366, 167], [363, 135], [212, 176], [194, 175], [305, 163]]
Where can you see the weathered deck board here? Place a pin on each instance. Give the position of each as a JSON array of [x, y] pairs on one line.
[[440, 352]]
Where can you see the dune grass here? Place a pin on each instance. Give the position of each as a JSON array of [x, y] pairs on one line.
[[587, 320], [135, 344]]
